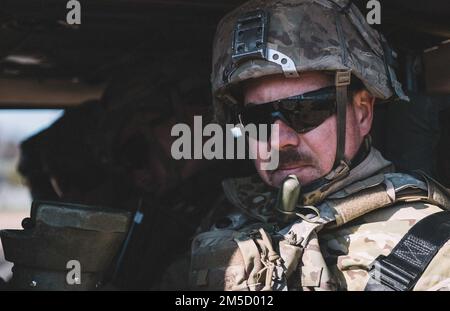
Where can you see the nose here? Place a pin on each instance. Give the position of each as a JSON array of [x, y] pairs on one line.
[[285, 137]]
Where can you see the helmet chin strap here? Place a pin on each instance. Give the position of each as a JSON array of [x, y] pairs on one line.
[[341, 167], [342, 82]]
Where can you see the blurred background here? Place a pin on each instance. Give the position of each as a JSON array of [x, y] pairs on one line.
[[15, 198]]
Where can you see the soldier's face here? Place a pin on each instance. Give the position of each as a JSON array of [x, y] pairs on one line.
[[150, 163], [309, 155]]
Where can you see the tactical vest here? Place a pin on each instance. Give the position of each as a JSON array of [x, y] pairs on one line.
[[252, 253]]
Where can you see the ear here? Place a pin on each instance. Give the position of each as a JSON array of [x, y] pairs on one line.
[[363, 103]]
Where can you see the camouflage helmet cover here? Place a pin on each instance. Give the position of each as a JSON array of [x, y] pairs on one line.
[[312, 35]]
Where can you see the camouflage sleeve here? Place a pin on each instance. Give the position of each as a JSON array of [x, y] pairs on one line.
[[350, 250], [437, 275]]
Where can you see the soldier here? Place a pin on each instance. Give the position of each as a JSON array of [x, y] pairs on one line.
[[115, 153], [30, 166], [67, 156], [143, 102], [334, 215]]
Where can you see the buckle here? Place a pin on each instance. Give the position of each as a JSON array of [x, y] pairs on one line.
[[388, 274], [343, 78]]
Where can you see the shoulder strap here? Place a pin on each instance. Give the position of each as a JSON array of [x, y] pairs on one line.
[[403, 267], [385, 190], [437, 193]]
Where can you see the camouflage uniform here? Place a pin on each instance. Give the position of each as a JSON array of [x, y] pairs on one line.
[[356, 212], [365, 216]]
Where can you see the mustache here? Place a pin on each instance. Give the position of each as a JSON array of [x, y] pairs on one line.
[[291, 156]]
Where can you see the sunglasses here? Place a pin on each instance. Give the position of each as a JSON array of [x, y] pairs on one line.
[[301, 112]]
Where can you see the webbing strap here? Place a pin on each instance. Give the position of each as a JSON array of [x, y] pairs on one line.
[[342, 82], [402, 268]]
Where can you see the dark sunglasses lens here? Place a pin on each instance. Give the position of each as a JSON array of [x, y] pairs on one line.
[[259, 114], [301, 115], [309, 114]]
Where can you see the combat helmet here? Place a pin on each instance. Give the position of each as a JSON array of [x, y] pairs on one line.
[[268, 37]]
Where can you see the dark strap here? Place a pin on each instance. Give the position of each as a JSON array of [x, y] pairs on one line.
[[402, 268]]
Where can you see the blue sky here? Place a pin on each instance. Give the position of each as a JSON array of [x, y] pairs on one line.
[[17, 125]]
